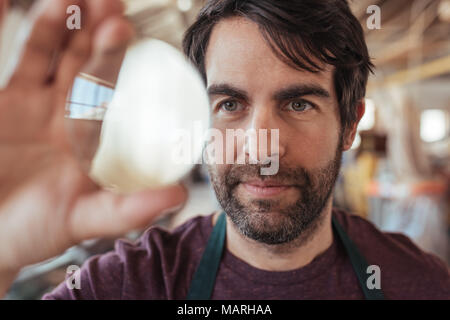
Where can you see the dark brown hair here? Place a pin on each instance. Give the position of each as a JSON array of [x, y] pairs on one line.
[[297, 30]]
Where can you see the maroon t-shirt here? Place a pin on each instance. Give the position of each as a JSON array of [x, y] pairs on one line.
[[161, 264]]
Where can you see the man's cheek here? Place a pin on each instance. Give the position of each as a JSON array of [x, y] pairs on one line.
[[314, 149], [217, 173]]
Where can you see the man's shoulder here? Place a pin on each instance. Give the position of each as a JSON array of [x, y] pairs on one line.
[[388, 244], [158, 245], [149, 268], [188, 233], [402, 263]]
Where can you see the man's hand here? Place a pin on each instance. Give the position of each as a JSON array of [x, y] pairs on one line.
[[3, 4], [47, 203]]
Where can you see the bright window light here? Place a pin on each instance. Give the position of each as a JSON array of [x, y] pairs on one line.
[[184, 5], [368, 120], [356, 142], [433, 125]]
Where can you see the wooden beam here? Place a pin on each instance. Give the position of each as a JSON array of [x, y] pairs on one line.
[[427, 70]]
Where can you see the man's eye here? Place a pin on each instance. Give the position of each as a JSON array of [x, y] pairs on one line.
[[229, 106], [299, 106]]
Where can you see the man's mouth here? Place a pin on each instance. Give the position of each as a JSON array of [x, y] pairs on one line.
[[265, 189]]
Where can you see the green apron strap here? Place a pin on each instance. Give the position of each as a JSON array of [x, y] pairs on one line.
[[202, 284], [358, 262]]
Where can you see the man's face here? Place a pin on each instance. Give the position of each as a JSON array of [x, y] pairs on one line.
[[251, 88]]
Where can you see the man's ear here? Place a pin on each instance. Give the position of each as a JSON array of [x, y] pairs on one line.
[[350, 132]]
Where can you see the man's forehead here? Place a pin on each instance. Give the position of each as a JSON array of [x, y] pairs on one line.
[[238, 53]]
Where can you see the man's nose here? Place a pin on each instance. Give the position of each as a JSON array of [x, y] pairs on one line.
[[263, 140]]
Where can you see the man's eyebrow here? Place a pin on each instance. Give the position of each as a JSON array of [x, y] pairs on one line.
[[297, 91], [227, 90]]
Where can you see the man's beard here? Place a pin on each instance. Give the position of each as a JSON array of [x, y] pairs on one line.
[[267, 220]]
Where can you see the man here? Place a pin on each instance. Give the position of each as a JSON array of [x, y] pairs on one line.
[[299, 67]]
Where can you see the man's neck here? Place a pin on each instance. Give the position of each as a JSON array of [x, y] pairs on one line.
[[283, 257]]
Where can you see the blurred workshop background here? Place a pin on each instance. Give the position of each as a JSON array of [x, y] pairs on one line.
[[397, 174]]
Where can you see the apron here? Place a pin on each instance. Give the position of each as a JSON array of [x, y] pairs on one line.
[[202, 284]]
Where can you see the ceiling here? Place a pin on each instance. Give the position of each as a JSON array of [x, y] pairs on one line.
[[412, 44], [413, 33]]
